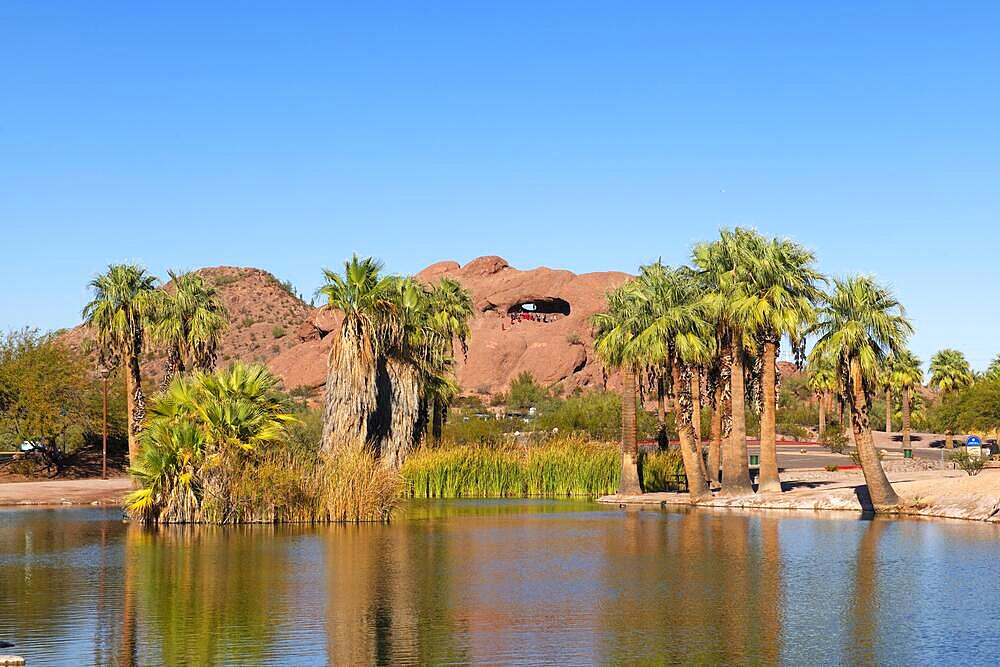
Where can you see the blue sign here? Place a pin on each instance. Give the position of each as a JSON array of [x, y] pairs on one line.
[[973, 441]]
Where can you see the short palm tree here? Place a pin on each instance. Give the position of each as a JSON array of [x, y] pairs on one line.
[[614, 342], [367, 302], [861, 325], [822, 382], [905, 374], [993, 370], [950, 372], [450, 309], [191, 320], [122, 309]]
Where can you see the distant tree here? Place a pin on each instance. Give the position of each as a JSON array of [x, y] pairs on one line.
[[190, 321], [950, 372], [525, 393], [906, 373]]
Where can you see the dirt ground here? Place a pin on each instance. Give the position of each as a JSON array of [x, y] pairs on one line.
[[66, 492]]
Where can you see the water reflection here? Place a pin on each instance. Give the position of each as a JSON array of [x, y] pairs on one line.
[[498, 582]]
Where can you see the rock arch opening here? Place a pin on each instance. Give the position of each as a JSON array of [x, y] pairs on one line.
[[540, 308]]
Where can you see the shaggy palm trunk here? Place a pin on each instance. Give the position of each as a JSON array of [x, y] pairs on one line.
[[351, 393], [769, 479], [404, 412], [822, 415], [888, 410], [136, 402], [661, 414], [735, 459], [715, 442], [629, 484], [905, 398], [172, 365], [879, 489], [694, 466], [949, 440], [696, 405]]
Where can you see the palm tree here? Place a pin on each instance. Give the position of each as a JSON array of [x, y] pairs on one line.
[[822, 382], [906, 373], [861, 325], [674, 334], [614, 342], [124, 302], [993, 370], [779, 293], [368, 304], [190, 322], [723, 266], [950, 371], [450, 309]]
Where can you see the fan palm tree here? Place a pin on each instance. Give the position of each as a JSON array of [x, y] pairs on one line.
[[190, 322], [723, 266], [124, 303], [673, 334], [370, 322], [861, 325], [905, 374], [614, 342], [450, 309], [778, 296], [950, 372], [823, 382], [993, 370]]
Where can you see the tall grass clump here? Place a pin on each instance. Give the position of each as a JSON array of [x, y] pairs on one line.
[[662, 470], [564, 466]]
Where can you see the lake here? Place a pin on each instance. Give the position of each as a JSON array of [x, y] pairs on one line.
[[502, 582]]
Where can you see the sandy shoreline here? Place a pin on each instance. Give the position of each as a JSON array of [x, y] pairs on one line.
[[949, 494], [66, 492]]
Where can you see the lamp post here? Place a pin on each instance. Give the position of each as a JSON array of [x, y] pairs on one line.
[[104, 372]]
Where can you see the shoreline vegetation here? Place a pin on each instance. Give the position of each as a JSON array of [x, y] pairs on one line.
[[691, 354]]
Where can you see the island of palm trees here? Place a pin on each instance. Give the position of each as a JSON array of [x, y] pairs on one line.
[[694, 350]]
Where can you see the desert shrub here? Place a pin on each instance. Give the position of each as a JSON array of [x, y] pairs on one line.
[[471, 430], [792, 430], [834, 437], [830, 467], [248, 322], [972, 465], [278, 331]]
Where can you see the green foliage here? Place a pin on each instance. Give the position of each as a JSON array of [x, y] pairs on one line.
[[278, 332], [791, 430], [974, 408], [525, 393], [660, 471], [972, 465], [831, 467], [472, 430], [597, 414], [950, 371], [834, 437]]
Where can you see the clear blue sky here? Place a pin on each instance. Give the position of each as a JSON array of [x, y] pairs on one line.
[[580, 135]]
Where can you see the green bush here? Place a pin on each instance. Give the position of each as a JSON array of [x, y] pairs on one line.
[[278, 331], [471, 430], [834, 437], [660, 471], [972, 465]]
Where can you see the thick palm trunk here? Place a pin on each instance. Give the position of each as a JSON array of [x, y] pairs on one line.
[[172, 366], [694, 466], [949, 440], [696, 405], [881, 492], [715, 442], [403, 412], [905, 397], [888, 410], [351, 394], [629, 484], [661, 414], [769, 479], [136, 403], [735, 459]]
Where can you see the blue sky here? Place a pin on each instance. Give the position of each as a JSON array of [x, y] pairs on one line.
[[578, 135]]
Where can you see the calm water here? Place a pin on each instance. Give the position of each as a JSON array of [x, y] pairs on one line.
[[516, 582]]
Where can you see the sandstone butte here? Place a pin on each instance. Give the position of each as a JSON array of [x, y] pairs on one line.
[[270, 324]]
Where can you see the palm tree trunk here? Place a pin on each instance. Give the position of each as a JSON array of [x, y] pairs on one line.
[[906, 417], [715, 442], [735, 459], [949, 440], [350, 394], [661, 414], [888, 409], [404, 412], [881, 492], [136, 403], [822, 415], [769, 479], [694, 466], [437, 420], [629, 484], [696, 405]]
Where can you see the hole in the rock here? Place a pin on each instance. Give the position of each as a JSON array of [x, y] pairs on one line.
[[540, 307]]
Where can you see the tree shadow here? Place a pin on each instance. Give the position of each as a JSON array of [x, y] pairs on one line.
[[865, 499]]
